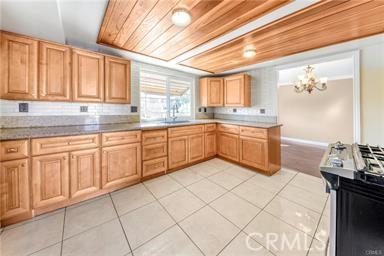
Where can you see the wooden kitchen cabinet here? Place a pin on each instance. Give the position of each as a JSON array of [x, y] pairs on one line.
[[14, 189], [18, 69], [210, 144], [211, 91], [121, 165], [117, 80], [237, 90], [54, 72], [228, 145], [50, 179], [196, 148], [178, 150], [254, 152], [85, 172], [87, 76]]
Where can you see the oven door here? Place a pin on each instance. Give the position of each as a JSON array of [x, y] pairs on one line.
[[359, 219]]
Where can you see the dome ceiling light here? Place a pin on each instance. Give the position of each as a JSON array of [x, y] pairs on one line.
[[249, 52], [181, 17]]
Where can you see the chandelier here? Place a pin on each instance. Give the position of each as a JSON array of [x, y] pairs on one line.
[[309, 82]]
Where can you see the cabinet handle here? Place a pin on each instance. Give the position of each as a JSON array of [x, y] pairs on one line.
[[12, 150]]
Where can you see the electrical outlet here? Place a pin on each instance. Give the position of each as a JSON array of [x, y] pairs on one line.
[[83, 108], [234, 110], [200, 109], [262, 111], [133, 109], [23, 107]]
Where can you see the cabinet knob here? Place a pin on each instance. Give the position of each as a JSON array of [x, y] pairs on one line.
[[64, 158], [22, 165]]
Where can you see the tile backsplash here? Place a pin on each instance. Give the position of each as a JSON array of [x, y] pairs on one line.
[[42, 108]]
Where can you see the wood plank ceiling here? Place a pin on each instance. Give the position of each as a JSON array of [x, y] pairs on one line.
[[145, 27], [322, 24]]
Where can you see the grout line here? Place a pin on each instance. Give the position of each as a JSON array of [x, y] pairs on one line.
[[176, 223], [121, 224], [62, 235]]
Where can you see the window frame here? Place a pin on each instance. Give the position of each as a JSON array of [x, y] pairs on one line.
[[168, 77]]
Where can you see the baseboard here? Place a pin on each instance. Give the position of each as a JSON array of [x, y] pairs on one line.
[[308, 142]]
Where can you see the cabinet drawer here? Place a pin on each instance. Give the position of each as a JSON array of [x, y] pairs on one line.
[[15, 149], [155, 166], [254, 132], [154, 151], [228, 128], [63, 144], [185, 130], [210, 127], [118, 138], [153, 137]]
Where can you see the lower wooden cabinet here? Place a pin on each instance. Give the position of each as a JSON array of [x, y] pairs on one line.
[[50, 179], [155, 166], [210, 144], [85, 172], [14, 188], [196, 147], [121, 165], [178, 151], [228, 145], [254, 152]]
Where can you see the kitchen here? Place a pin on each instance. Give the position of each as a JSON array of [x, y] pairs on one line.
[[144, 127]]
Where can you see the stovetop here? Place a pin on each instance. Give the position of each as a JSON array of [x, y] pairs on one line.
[[362, 162]]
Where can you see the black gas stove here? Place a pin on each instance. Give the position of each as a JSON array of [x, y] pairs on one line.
[[354, 175]]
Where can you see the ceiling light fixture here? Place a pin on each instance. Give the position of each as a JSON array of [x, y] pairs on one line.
[[181, 17], [249, 52], [308, 82]]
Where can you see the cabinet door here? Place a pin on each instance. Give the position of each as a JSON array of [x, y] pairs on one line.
[[196, 147], [85, 172], [121, 164], [254, 152], [177, 151], [210, 144], [18, 67], [14, 184], [215, 92], [117, 80], [54, 72], [228, 146], [87, 76], [234, 90], [50, 179]]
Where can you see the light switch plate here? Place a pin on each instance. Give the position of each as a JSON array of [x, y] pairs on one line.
[[23, 107]]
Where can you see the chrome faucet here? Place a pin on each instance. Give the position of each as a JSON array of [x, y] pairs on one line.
[[175, 109]]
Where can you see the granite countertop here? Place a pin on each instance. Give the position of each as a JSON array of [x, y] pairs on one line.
[[53, 131]]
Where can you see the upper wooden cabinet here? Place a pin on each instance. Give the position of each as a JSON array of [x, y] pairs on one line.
[[211, 91], [54, 72], [237, 90], [87, 76], [117, 80], [18, 67]]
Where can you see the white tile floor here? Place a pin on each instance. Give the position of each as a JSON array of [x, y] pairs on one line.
[[213, 208]]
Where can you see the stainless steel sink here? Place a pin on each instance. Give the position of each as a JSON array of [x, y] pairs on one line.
[[176, 121]]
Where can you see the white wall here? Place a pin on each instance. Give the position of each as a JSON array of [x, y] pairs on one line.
[[372, 94]]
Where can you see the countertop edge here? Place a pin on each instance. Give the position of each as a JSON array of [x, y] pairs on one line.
[[58, 131]]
